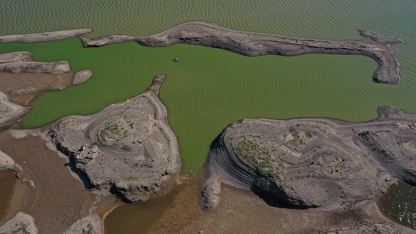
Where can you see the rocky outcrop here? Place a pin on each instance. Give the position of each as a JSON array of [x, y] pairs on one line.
[[373, 45], [308, 163], [7, 163], [44, 37], [20, 223], [21, 56], [128, 148], [81, 77]]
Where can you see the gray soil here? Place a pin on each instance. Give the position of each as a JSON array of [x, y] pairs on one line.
[[43, 37], [21, 223], [36, 67], [313, 163], [81, 77], [127, 149], [373, 45]]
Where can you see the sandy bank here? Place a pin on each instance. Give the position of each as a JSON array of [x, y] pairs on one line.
[[44, 37], [20, 223], [36, 67], [9, 110], [373, 45], [7, 163], [20, 56]]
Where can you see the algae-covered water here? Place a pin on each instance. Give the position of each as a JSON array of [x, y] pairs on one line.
[[210, 88]]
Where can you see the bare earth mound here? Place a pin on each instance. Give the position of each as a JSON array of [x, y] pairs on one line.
[[128, 148], [309, 163]]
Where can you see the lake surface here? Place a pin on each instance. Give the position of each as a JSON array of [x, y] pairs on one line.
[[209, 88]]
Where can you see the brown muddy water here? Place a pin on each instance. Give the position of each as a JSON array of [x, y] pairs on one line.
[[399, 204], [7, 182], [169, 213]]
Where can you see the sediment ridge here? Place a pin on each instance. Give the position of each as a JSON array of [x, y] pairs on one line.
[[373, 45], [44, 37], [128, 148], [313, 163]]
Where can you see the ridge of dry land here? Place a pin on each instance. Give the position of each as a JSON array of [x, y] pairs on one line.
[[373, 45], [319, 163], [128, 148], [44, 37]]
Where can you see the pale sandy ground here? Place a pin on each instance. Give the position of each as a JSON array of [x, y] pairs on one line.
[[20, 223]]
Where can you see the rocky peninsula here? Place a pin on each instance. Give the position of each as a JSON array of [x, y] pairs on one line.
[[372, 45], [313, 163], [128, 148]]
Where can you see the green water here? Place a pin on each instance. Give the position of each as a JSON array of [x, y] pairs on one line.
[[210, 88]]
